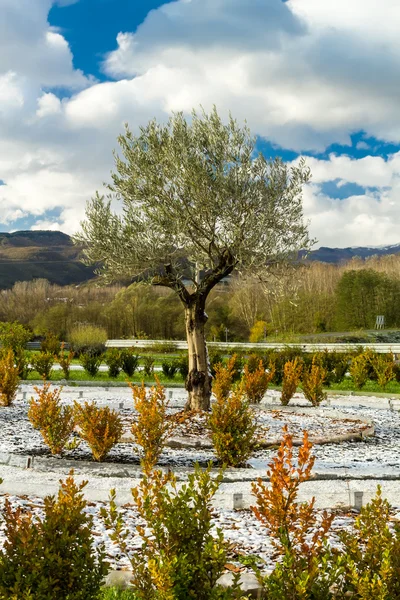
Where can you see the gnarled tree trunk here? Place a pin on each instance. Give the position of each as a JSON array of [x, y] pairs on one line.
[[198, 382]]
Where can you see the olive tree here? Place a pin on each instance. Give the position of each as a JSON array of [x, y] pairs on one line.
[[197, 201]]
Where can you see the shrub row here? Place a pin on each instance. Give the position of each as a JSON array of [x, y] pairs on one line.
[[182, 553], [292, 366]]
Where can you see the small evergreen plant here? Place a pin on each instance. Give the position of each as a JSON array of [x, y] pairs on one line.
[[255, 384], [112, 358], [312, 382], [52, 558], [42, 363], [64, 360], [90, 362], [54, 421], [9, 378], [182, 554], [291, 378], [100, 428], [233, 428], [129, 361], [152, 428]]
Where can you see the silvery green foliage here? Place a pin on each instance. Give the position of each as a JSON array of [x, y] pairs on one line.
[[198, 190]]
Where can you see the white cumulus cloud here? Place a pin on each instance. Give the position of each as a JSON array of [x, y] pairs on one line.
[[304, 73]]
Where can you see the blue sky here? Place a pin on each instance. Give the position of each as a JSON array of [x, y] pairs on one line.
[[312, 78], [91, 27]]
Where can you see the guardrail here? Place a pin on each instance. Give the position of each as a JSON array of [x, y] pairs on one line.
[[182, 345], [36, 346]]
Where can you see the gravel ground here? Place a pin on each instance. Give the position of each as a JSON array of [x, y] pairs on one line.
[[243, 532], [18, 436]]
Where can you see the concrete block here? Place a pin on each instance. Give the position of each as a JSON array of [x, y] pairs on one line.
[[119, 579], [248, 584]]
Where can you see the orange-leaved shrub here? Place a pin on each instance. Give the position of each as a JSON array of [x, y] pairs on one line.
[[223, 378], [312, 382], [292, 371], [182, 554], [9, 378], [233, 428], [152, 428], [256, 383], [100, 428], [54, 421], [306, 568], [51, 557], [384, 368], [371, 552], [64, 360]]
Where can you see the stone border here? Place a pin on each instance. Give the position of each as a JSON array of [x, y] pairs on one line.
[[368, 431]]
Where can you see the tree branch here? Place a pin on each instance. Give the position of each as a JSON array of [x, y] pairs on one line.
[[171, 280]]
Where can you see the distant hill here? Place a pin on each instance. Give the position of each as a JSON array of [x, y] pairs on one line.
[[51, 255], [27, 255], [338, 255]]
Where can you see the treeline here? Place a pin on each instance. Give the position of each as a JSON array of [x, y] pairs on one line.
[[314, 298]]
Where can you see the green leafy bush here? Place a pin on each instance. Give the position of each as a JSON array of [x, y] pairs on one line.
[[129, 361], [182, 555], [42, 363], [14, 336], [372, 553], [91, 363], [88, 339], [53, 557], [214, 358], [112, 358], [339, 366], [148, 365], [101, 428], [54, 421], [233, 428], [170, 368], [183, 367], [22, 359]]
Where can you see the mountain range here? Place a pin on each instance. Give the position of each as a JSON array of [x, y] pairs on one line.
[[338, 255], [51, 255], [27, 255]]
